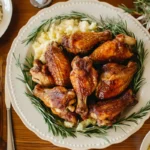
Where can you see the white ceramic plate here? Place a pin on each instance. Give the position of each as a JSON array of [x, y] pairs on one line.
[[146, 142], [7, 14], [27, 112]]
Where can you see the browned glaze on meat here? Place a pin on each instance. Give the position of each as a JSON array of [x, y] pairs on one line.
[[41, 75], [115, 50], [106, 112], [58, 64], [60, 100], [115, 79], [84, 80], [82, 42]]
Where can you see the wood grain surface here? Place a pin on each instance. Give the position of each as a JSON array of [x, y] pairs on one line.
[[24, 138]]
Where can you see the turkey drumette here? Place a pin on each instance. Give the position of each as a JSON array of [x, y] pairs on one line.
[[115, 79], [60, 100], [82, 42], [115, 50], [84, 80]]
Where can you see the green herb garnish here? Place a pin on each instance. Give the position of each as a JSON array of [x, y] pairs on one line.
[[55, 124]]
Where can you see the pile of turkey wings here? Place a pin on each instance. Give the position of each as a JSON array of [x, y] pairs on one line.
[[88, 75]]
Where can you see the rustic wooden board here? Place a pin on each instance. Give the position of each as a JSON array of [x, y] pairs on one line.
[[24, 138]]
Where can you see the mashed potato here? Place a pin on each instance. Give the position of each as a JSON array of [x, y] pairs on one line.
[[56, 32]]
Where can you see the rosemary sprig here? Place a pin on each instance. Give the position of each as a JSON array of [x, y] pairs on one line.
[[116, 26], [57, 19], [141, 54], [134, 117], [26, 78], [126, 9], [142, 9], [139, 7]]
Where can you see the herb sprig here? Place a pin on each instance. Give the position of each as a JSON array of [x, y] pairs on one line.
[[45, 25], [116, 26], [141, 9], [141, 53], [55, 124]]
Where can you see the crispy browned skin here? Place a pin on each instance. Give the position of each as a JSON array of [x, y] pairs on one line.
[[60, 100], [58, 64], [84, 80], [115, 50], [82, 42], [115, 79], [106, 112], [41, 75]]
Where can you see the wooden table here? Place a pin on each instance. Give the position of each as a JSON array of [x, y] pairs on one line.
[[24, 138]]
